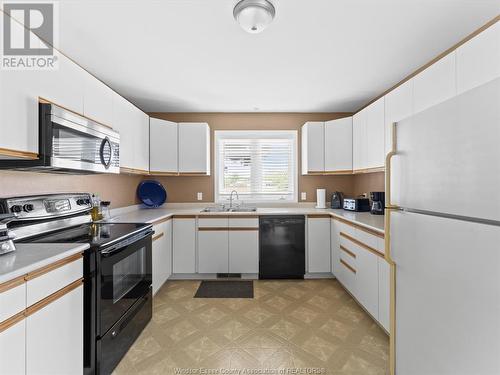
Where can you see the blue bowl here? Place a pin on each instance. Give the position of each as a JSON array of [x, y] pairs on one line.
[[151, 193]]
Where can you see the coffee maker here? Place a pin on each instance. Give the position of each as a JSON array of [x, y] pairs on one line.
[[378, 202]]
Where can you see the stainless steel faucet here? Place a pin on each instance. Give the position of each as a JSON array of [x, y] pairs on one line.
[[231, 198]]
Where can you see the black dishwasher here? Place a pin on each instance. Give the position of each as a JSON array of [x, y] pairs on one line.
[[282, 247]]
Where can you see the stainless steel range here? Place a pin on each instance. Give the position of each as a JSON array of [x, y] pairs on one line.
[[117, 269]]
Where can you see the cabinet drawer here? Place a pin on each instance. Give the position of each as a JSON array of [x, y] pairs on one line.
[[212, 222], [346, 228], [366, 238], [348, 276], [12, 298], [244, 222], [12, 347], [48, 280], [348, 252]]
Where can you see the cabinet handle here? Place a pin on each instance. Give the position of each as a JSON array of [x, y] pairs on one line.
[[348, 251], [158, 236], [353, 270]]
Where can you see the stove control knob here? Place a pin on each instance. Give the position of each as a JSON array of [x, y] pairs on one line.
[[28, 207], [80, 202], [16, 208]]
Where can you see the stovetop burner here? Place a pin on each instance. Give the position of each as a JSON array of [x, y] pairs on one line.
[[96, 234]]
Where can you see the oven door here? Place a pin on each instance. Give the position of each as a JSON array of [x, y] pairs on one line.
[[125, 276]]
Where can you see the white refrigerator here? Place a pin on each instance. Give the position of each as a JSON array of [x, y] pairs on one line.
[[444, 237]]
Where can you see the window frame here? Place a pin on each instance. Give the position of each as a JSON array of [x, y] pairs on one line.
[[257, 134]]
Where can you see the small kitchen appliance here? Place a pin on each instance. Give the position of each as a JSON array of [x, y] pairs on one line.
[[337, 199], [378, 202], [357, 204], [6, 237]]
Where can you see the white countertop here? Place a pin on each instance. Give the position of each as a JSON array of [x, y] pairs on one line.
[[138, 214], [29, 257]]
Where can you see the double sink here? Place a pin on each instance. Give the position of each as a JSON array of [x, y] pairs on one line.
[[229, 209]]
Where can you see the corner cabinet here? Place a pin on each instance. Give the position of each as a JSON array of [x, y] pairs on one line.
[[194, 148], [318, 244], [327, 147], [162, 253], [184, 244]]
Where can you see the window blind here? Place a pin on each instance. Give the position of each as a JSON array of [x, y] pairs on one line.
[[259, 165]]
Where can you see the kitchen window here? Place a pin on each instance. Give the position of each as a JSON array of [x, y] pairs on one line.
[[260, 165]]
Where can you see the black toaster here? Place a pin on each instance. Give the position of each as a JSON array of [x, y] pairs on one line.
[[357, 204]]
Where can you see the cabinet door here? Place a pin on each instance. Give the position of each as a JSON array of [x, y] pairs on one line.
[[163, 143], [435, 84], [54, 336], [97, 101], [318, 244], [13, 349], [359, 140], [335, 247], [384, 293], [184, 245], [244, 251], [161, 255], [141, 123], [194, 148], [375, 138], [398, 105], [213, 251], [313, 147], [367, 280], [338, 145], [478, 60], [168, 252]]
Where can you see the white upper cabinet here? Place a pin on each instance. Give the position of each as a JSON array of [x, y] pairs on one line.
[[97, 101], [313, 151], [359, 140], [163, 143], [141, 122], [194, 148], [375, 140], [398, 106], [478, 60], [338, 145], [435, 84]]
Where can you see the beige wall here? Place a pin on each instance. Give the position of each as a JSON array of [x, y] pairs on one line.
[[184, 189], [365, 183], [119, 189]]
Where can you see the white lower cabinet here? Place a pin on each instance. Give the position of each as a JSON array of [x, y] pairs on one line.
[[244, 251], [213, 250], [162, 254], [318, 244], [54, 336], [367, 280], [184, 245], [12, 347], [384, 293]]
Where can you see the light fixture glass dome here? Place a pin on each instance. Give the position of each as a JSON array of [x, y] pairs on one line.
[[254, 15]]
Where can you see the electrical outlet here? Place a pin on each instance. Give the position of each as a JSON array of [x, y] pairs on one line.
[[303, 196], [200, 196]]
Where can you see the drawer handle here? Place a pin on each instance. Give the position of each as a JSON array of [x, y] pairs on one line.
[[53, 297], [348, 266], [158, 236], [348, 251]]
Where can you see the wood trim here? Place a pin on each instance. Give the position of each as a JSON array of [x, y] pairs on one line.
[[18, 154], [255, 216], [158, 236], [212, 229], [339, 172], [42, 271], [368, 170], [348, 251], [6, 324], [47, 101], [11, 284], [162, 220], [243, 229], [434, 60], [184, 216], [352, 269], [363, 245], [194, 174], [319, 216], [53, 297], [126, 170], [159, 173], [360, 227], [210, 216]]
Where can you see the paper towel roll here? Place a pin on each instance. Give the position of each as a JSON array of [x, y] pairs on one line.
[[320, 198]]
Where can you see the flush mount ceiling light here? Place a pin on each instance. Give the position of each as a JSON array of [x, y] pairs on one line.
[[254, 15]]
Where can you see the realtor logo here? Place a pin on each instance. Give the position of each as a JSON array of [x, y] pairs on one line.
[[29, 34]]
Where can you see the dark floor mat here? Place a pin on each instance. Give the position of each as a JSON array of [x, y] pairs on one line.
[[225, 289]]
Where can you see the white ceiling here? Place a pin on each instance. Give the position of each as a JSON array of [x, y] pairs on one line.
[[317, 55]]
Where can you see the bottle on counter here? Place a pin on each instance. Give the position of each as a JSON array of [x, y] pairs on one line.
[[105, 210], [95, 212]]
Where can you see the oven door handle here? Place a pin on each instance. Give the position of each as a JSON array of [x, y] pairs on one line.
[[118, 247]]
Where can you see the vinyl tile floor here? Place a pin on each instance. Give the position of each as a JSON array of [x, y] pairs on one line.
[[304, 327]]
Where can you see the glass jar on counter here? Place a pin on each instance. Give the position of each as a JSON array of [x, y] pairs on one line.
[[105, 210]]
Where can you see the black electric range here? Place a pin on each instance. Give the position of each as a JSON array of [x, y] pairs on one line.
[[117, 269]]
